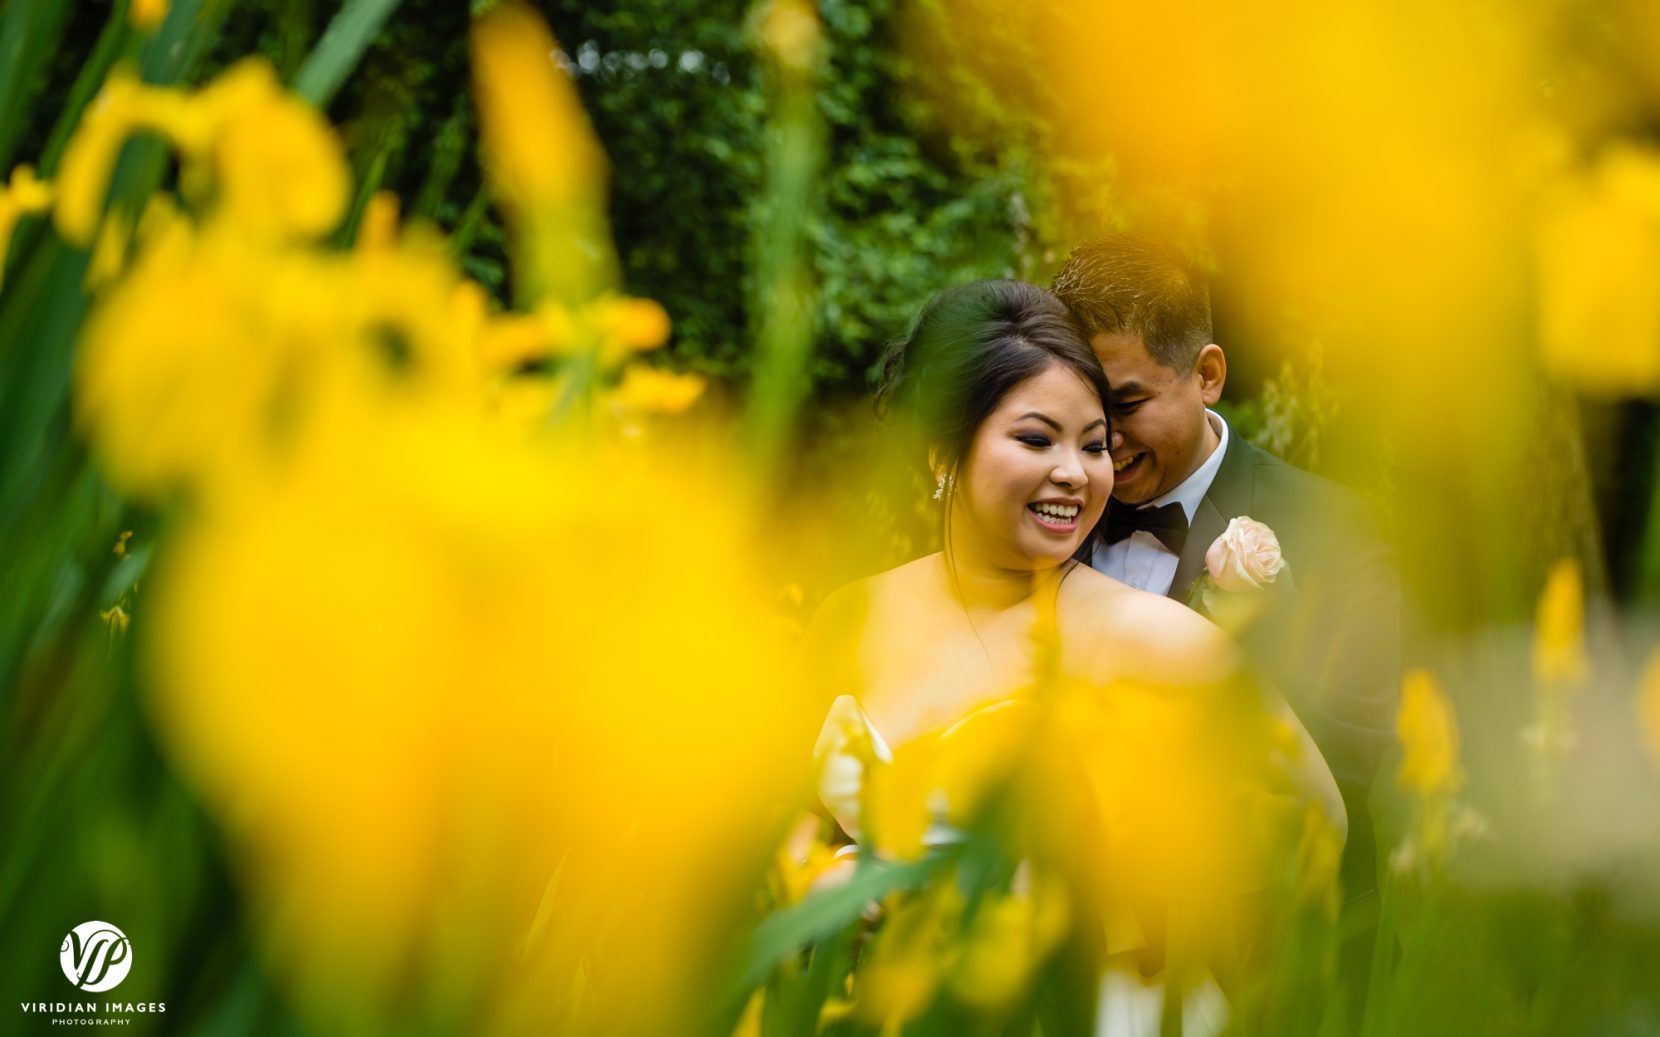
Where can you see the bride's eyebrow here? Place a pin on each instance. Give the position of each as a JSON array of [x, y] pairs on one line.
[[1052, 423], [1046, 419]]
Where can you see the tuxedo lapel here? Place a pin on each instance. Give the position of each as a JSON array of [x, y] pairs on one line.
[[1228, 497], [1208, 524]]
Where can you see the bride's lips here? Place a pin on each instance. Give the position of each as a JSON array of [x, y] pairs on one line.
[[1057, 515]]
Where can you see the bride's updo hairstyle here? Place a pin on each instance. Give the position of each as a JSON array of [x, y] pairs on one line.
[[969, 346]]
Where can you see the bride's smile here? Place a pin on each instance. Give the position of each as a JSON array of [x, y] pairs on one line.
[[1036, 476]]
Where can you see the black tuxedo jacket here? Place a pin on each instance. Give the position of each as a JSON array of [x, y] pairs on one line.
[[1330, 641]]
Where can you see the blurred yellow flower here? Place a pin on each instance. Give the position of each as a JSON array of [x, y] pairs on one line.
[[789, 29], [89, 157], [543, 162], [510, 341], [174, 404], [1648, 704], [1167, 779], [901, 972], [524, 404], [145, 15], [610, 328], [377, 231], [1008, 939], [277, 163], [538, 145], [1598, 248], [1319, 860], [116, 618], [109, 252], [899, 797], [749, 1023], [797, 874], [1428, 731], [1559, 629], [249, 150], [926, 944], [627, 326], [399, 792], [26, 191], [660, 392], [24, 195], [944, 776]]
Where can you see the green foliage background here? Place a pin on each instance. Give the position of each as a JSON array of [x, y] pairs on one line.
[[677, 97]]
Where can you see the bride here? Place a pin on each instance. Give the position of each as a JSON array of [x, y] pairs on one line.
[[1011, 409]]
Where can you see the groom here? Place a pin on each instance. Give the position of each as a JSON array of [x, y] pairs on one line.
[[1330, 638]]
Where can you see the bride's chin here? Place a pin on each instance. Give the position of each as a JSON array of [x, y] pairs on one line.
[[1049, 560]]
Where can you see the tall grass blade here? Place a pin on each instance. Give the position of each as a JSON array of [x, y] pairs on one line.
[[340, 49], [29, 32]]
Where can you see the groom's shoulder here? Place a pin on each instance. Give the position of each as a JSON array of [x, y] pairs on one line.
[[1310, 503]]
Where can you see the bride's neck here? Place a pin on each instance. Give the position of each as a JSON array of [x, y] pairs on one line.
[[986, 588]]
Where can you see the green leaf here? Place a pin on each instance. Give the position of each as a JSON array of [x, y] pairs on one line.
[[340, 49], [29, 32], [111, 44], [824, 914]]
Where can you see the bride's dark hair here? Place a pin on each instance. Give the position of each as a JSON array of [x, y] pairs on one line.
[[968, 347]]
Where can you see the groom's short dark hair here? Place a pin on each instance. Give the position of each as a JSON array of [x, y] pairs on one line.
[[1119, 284]]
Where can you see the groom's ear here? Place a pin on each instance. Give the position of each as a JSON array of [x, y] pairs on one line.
[[1212, 368]]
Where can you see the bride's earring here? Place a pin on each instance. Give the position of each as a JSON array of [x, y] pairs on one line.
[[939, 487]]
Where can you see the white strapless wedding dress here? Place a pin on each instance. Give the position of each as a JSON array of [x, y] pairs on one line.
[[1128, 1004]]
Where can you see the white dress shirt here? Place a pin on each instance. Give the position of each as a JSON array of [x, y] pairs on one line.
[[1140, 560]]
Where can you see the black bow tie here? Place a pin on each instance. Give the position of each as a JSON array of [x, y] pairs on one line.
[[1168, 523]]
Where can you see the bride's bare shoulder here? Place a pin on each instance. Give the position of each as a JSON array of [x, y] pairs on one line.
[[852, 605], [838, 646], [1120, 631]]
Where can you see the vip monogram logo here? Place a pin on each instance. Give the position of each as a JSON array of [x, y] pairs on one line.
[[96, 956]]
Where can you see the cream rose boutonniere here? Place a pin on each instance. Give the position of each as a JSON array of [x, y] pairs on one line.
[[1244, 560], [1245, 557]]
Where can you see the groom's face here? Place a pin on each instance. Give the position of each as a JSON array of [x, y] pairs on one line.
[[1158, 418]]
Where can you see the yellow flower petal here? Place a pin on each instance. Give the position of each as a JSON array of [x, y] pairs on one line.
[[1010, 936], [279, 164], [899, 799], [1559, 632], [116, 618], [145, 15], [89, 157], [627, 326], [660, 392], [1598, 246], [22, 196], [1319, 860], [1428, 731], [538, 145], [1648, 704]]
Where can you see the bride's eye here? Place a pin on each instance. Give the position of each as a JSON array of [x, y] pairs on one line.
[[1034, 441], [1096, 448]]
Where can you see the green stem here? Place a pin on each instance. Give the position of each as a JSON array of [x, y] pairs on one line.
[[784, 304], [111, 44], [1648, 572], [340, 49], [1379, 993]]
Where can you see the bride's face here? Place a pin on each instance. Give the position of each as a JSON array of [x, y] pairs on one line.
[[1037, 475]]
